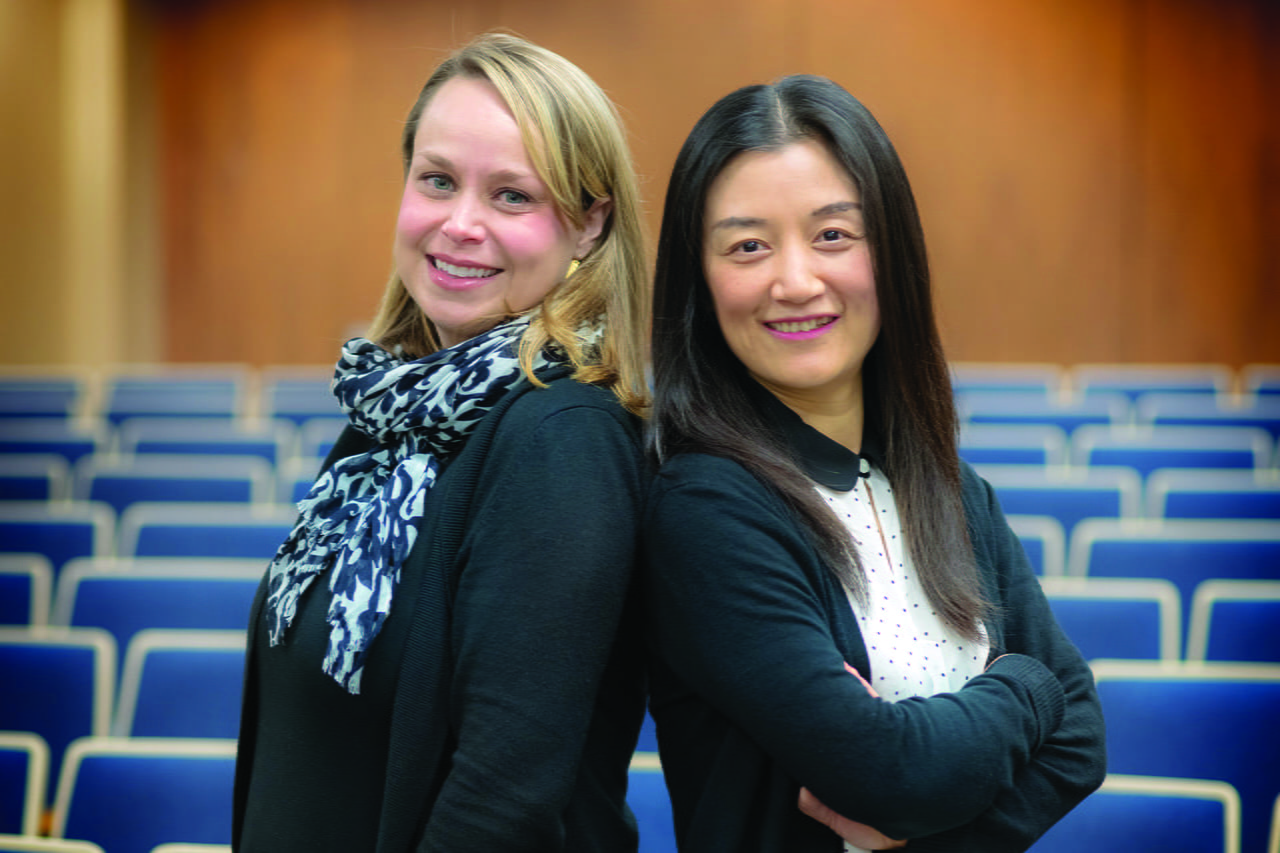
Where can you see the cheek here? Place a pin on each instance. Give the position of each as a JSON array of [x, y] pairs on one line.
[[414, 218]]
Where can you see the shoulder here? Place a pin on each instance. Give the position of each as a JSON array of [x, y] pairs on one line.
[[700, 484], [569, 404]]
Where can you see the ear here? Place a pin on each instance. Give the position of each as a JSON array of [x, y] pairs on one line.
[[593, 222]]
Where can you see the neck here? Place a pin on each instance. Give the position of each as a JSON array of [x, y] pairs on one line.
[[840, 417]]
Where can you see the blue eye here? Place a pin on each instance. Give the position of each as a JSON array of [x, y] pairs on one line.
[[442, 183], [513, 197]]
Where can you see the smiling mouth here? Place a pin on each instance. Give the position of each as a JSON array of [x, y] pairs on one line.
[[463, 272], [791, 327]]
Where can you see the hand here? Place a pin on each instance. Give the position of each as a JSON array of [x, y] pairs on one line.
[[857, 834], [865, 683]]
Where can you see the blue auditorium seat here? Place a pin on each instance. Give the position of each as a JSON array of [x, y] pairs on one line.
[[58, 530], [1211, 410], [1197, 721], [123, 481], [1184, 552], [69, 439], [1235, 493], [34, 477], [1261, 380], [1021, 377], [130, 795], [59, 683], [1133, 814], [647, 796], [240, 531], [24, 779], [1235, 621], [1044, 542], [1069, 495], [175, 393], [1013, 444], [37, 844], [1109, 618], [298, 395], [128, 598], [1137, 380], [1001, 407], [181, 684], [26, 589], [40, 396], [272, 441], [1147, 448]]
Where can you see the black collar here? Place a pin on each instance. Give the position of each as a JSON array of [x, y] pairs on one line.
[[823, 460]]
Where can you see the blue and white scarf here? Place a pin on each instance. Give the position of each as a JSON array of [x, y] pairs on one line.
[[360, 519]]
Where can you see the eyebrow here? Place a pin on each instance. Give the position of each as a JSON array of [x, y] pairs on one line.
[[730, 222]]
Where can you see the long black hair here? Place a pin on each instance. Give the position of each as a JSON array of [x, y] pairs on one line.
[[702, 392]]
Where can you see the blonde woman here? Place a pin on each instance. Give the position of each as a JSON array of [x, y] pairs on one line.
[[435, 660]]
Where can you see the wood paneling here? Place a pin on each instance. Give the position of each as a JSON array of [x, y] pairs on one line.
[[1097, 177]]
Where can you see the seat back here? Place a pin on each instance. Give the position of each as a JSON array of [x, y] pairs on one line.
[[1013, 444], [59, 683], [130, 795], [57, 530], [26, 588], [237, 531], [34, 477], [1133, 813], [1148, 448], [1186, 553], [24, 780], [1109, 618], [1235, 493], [1043, 542], [1068, 495], [121, 482], [1235, 621], [127, 599], [647, 796], [182, 684], [1197, 721]]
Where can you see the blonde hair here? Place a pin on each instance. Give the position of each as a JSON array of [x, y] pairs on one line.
[[574, 138]]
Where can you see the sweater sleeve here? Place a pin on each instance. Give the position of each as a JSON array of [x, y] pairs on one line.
[[735, 613], [1071, 763], [545, 569]]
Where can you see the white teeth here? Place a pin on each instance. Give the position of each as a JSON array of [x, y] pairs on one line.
[[463, 272], [802, 326]]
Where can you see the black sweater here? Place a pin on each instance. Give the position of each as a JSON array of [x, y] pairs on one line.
[[750, 633], [497, 712]]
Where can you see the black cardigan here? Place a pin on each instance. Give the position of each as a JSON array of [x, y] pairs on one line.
[[749, 634], [500, 704]]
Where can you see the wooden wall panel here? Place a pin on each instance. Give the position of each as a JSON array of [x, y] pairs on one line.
[[1095, 176]]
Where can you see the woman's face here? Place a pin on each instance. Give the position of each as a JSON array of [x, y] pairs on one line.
[[787, 261], [478, 235]]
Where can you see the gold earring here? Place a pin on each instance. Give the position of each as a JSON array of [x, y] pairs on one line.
[[573, 267]]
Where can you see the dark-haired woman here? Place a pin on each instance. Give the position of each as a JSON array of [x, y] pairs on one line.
[[850, 650]]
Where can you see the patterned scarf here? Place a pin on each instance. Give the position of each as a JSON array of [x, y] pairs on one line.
[[360, 519]]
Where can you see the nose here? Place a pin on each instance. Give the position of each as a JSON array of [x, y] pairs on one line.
[[464, 223], [796, 278]]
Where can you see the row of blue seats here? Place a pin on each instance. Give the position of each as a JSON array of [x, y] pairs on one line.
[[1073, 531], [1206, 729], [274, 442], [1068, 494], [282, 389], [38, 455]]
